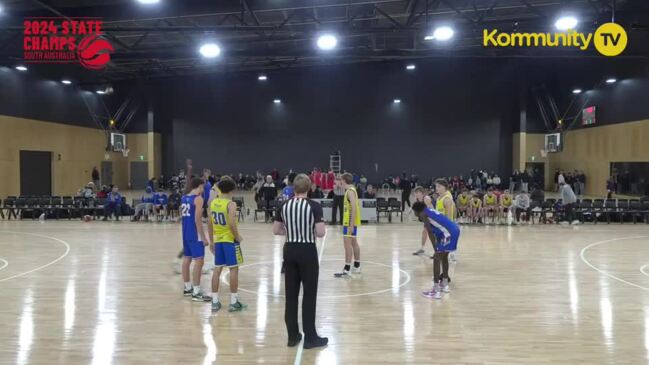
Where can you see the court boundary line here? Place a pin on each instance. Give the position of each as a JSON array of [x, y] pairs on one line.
[[67, 251], [589, 246], [6, 263], [642, 270]]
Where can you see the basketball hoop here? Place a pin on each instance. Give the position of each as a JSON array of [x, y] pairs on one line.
[[125, 152], [544, 153]]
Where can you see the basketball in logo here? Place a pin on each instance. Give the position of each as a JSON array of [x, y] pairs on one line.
[[94, 52]]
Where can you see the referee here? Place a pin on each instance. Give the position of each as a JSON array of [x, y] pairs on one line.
[[300, 220]]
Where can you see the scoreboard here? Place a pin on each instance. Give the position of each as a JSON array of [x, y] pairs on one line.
[[588, 116]]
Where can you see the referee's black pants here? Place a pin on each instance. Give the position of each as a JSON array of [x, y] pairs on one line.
[[301, 261]]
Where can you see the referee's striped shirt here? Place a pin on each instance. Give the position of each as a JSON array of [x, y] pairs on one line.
[[300, 216]]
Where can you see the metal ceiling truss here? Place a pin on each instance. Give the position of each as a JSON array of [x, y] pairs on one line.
[[256, 35]]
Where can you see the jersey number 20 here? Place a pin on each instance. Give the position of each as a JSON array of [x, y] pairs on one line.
[[219, 218]]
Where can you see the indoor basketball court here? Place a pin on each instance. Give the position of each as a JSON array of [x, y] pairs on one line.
[[479, 170]]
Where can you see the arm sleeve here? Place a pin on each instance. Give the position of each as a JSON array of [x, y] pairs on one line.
[[278, 214], [316, 208]]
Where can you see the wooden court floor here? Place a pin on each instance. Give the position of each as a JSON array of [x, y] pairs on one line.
[[105, 293]]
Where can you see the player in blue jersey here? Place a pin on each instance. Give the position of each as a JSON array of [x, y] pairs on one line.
[[445, 233], [194, 239], [206, 190]]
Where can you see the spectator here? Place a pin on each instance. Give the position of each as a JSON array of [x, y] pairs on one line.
[[288, 192], [537, 194], [275, 175], [560, 180], [315, 192], [174, 202], [610, 188], [151, 184], [513, 180], [496, 181], [160, 202], [88, 191], [569, 200], [103, 193], [406, 189], [369, 193], [95, 175], [522, 204], [525, 180], [557, 172], [268, 193], [145, 205], [113, 204], [330, 180], [338, 200]]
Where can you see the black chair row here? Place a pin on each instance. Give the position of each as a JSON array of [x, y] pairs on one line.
[[594, 209], [52, 206], [388, 207]]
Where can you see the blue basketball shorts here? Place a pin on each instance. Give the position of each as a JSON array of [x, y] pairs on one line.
[[348, 233], [227, 254], [193, 249]]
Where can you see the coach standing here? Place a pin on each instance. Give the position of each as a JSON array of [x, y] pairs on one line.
[[300, 220]]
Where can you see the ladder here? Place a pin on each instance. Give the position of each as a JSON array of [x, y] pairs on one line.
[[335, 163]]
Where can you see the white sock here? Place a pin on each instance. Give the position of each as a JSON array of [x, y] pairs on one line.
[[215, 297], [197, 289], [234, 298], [188, 285]]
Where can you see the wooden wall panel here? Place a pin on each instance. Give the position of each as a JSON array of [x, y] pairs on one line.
[[80, 149]]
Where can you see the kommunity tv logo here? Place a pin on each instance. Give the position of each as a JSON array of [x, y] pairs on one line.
[[610, 39]]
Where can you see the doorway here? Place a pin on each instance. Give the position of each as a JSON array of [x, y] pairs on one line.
[[106, 177], [139, 175], [537, 171], [35, 173]]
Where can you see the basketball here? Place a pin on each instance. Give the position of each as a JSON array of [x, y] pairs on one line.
[[87, 218]]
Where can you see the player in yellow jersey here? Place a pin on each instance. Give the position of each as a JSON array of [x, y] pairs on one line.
[[463, 204], [506, 201], [490, 202], [475, 208], [445, 205], [226, 243], [351, 222]]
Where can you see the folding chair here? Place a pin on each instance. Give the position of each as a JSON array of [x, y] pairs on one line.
[[622, 208], [597, 209], [394, 206], [9, 205], [239, 200], [610, 207], [381, 207], [261, 208], [584, 207]]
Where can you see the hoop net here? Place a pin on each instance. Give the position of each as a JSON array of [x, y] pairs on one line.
[[544, 153], [125, 152]]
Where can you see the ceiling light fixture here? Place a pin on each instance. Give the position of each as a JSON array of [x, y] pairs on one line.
[[210, 50], [327, 42], [566, 22]]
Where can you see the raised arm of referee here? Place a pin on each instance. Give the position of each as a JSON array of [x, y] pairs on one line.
[[300, 220]]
